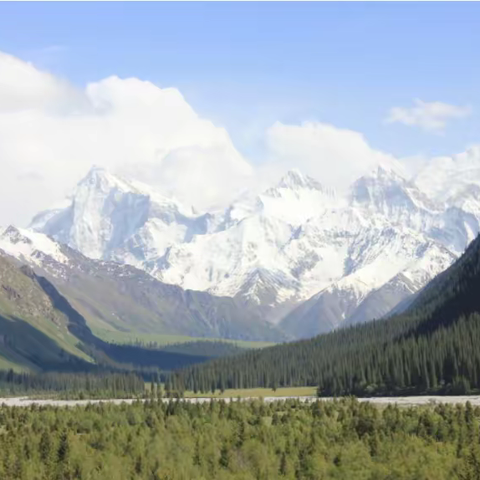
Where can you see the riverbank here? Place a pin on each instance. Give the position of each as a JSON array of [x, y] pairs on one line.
[[401, 401]]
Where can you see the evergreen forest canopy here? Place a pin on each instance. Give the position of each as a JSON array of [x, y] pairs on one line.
[[341, 439], [73, 385], [431, 348]]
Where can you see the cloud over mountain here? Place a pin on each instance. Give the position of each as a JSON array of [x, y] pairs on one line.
[[333, 155], [51, 133]]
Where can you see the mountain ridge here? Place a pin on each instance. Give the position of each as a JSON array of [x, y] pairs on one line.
[[279, 248]]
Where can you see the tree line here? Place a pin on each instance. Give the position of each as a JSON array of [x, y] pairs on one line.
[[202, 349], [72, 385]]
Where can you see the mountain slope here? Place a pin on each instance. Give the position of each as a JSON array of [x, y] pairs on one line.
[[433, 347], [34, 334], [110, 218], [384, 268], [124, 298]]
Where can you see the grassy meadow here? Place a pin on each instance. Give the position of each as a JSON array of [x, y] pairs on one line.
[[115, 336]]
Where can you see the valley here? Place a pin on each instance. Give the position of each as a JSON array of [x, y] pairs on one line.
[[239, 241], [116, 336], [125, 315]]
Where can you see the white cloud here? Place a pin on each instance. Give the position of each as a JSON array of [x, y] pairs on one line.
[[430, 116], [51, 133], [23, 87], [336, 157]]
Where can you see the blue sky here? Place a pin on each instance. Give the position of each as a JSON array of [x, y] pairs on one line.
[[247, 65]]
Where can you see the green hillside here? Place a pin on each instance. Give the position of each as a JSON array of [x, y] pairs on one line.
[[33, 334], [433, 347], [129, 337]]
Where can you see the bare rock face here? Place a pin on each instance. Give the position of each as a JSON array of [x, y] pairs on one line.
[[11, 293], [19, 288]]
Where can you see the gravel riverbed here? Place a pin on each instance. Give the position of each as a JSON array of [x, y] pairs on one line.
[[402, 401]]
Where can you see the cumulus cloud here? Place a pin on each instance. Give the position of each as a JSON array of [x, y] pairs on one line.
[[51, 133], [23, 87], [334, 156], [430, 116]]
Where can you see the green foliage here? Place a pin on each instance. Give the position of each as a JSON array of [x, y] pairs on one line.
[[341, 439]]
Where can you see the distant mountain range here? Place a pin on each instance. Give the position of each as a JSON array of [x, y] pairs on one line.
[[296, 260]]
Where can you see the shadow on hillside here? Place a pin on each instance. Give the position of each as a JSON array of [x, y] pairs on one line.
[[113, 355], [25, 345]]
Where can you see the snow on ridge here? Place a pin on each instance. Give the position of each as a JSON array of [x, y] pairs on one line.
[[285, 244], [25, 244]]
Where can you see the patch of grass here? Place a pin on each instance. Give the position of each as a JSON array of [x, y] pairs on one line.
[[6, 364], [129, 337], [37, 341], [258, 392]]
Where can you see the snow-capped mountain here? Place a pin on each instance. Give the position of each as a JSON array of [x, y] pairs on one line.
[[110, 218], [304, 255]]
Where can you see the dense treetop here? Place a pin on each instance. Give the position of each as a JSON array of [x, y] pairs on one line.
[[252, 440]]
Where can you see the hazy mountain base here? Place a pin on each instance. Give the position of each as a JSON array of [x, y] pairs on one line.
[[115, 336]]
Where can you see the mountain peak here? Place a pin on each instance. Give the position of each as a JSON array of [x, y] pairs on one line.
[[13, 234], [392, 171], [294, 179], [381, 176], [100, 178], [94, 173], [385, 190]]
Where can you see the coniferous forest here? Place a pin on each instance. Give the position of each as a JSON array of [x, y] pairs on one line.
[[72, 385], [158, 440]]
